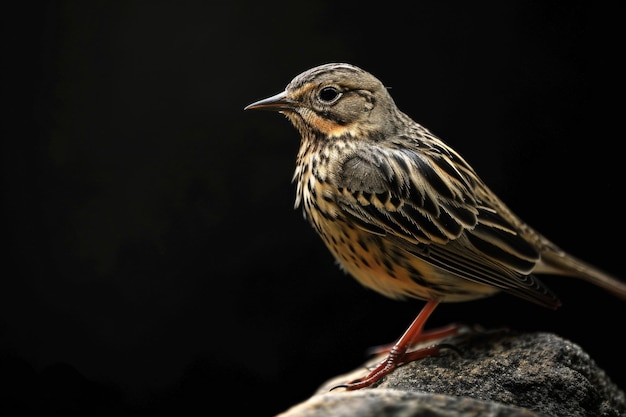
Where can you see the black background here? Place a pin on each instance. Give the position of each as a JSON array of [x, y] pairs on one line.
[[153, 260]]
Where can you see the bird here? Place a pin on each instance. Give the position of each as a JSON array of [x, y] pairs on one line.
[[404, 213]]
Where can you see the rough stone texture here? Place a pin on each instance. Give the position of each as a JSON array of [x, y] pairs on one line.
[[496, 373]]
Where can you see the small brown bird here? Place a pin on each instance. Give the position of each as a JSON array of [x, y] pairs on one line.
[[404, 213]]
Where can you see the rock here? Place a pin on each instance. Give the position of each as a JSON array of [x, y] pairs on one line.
[[494, 374]]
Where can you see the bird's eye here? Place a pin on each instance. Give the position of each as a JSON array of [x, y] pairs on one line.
[[329, 94]]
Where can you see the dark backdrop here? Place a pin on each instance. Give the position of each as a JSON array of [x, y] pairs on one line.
[[153, 259]]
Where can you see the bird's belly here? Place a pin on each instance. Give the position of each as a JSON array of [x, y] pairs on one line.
[[381, 265]]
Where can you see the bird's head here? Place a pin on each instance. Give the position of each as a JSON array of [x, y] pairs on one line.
[[333, 100]]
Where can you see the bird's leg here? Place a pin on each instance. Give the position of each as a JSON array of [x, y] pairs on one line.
[[425, 336], [398, 353]]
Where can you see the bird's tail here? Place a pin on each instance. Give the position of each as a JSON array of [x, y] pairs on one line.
[[558, 262]]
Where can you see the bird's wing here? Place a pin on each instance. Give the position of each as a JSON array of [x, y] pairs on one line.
[[433, 204]]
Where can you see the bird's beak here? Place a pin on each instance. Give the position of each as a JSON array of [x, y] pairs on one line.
[[276, 103]]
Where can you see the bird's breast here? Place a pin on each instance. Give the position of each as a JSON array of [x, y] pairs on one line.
[[376, 261]]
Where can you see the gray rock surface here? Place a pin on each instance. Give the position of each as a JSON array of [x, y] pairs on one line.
[[496, 373]]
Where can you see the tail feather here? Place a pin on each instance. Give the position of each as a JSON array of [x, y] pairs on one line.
[[560, 263]]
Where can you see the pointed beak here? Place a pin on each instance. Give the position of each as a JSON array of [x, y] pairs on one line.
[[276, 103]]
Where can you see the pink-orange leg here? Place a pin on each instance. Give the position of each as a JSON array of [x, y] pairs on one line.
[[398, 352], [425, 336]]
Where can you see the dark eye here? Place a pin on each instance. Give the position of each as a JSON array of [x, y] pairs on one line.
[[329, 94]]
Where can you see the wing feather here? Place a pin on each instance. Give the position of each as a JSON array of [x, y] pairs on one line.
[[434, 200]]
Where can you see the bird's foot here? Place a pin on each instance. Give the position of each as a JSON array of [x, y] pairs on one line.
[[390, 363]]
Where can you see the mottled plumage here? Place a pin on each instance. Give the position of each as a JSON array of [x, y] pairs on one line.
[[403, 212]]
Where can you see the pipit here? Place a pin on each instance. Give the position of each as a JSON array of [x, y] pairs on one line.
[[403, 212]]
